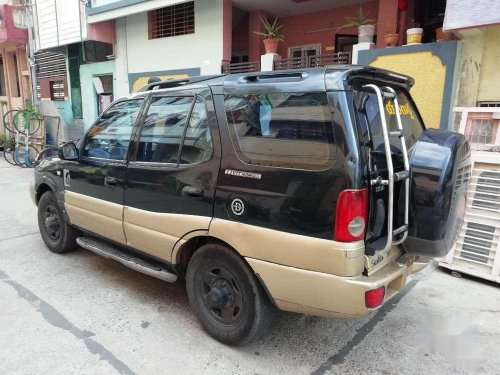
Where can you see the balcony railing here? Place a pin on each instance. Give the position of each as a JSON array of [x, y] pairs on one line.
[[313, 61], [241, 67]]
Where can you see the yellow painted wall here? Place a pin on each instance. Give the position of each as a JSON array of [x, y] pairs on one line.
[[143, 81], [429, 74], [489, 82]]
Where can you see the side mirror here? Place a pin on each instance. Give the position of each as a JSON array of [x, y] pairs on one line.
[[68, 151]]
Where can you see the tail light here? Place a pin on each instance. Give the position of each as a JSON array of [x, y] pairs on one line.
[[375, 297], [351, 215]]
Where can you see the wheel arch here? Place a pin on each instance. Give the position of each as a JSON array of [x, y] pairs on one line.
[[42, 189], [183, 252]]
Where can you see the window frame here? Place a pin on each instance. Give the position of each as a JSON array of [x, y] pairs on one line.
[[132, 134], [140, 126], [151, 15], [237, 150]]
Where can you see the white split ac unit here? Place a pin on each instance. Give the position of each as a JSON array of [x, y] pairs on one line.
[[477, 249]]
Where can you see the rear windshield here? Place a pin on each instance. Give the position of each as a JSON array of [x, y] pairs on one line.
[[370, 124], [288, 130]]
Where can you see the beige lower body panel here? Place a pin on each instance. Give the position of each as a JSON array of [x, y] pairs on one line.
[[96, 215], [317, 293], [157, 233], [308, 253]]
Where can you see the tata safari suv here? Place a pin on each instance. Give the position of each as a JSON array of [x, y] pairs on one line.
[[316, 191]]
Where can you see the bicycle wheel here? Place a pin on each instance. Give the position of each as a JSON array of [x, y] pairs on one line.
[[25, 158], [33, 126], [8, 120], [8, 155]]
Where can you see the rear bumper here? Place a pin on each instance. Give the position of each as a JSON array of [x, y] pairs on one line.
[[317, 293]]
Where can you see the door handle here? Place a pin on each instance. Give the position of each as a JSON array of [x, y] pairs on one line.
[[108, 180], [192, 191]]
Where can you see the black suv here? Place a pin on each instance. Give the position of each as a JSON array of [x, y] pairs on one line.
[[315, 191]]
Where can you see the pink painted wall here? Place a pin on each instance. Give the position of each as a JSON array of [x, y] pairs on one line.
[[240, 35], [10, 33], [297, 29], [255, 45], [227, 24], [388, 19], [102, 32]]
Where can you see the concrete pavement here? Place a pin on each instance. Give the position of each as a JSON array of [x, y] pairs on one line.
[[79, 313]]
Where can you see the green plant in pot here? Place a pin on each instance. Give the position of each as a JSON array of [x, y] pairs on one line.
[[3, 139], [366, 28], [272, 34]]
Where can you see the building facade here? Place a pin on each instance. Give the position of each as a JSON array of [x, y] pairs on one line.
[[15, 83]]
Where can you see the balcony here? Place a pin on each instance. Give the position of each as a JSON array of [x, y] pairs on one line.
[[241, 67], [313, 61]]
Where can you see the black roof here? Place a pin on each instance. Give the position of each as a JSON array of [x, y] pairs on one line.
[[326, 78]]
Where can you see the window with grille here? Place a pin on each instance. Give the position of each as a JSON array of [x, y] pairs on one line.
[[170, 21], [488, 104], [56, 90]]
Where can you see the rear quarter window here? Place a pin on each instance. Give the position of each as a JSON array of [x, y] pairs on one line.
[[370, 122], [287, 130]]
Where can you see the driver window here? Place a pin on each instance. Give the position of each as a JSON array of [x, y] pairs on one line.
[[110, 136], [163, 129]]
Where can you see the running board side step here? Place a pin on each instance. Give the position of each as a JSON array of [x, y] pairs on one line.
[[127, 260]]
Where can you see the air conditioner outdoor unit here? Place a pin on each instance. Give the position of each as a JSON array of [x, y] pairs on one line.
[[477, 250]]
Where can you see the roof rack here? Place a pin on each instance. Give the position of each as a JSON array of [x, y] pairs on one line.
[[169, 83]]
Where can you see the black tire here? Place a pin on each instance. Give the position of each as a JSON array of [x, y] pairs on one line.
[[8, 155], [58, 235], [33, 126], [7, 123], [226, 296], [19, 156]]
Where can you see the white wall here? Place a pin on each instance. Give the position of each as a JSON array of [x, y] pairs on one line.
[[135, 53], [58, 23]]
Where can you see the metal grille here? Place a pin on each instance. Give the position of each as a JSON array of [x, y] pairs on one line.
[[489, 104], [172, 21], [57, 90], [487, 192], [478, 242], [481, 132], [241, 67], [313, 61], [50, 64]]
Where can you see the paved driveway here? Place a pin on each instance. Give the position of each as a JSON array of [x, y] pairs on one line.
[[79, 313]]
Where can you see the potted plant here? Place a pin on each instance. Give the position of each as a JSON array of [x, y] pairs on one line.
[[414, 34], [366, 30], [272, 35], [3, 139], [442, 35], [391, 39]]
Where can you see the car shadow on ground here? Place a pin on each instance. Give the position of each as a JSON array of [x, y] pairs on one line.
[[290, 332]]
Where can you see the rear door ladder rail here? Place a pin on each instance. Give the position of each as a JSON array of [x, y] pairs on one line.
[[389, 94], [404, 228], [390, 169]]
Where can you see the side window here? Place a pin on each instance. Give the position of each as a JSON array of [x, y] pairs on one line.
[[163, 129], [197, 145], [288, 130], [164, 132], [110, 136]]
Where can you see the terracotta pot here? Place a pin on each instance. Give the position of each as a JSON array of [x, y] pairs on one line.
[[414, 35], [443, 35], [271, 45], [391, 40]]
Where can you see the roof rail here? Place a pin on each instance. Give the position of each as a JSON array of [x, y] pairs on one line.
[[169, 83]]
